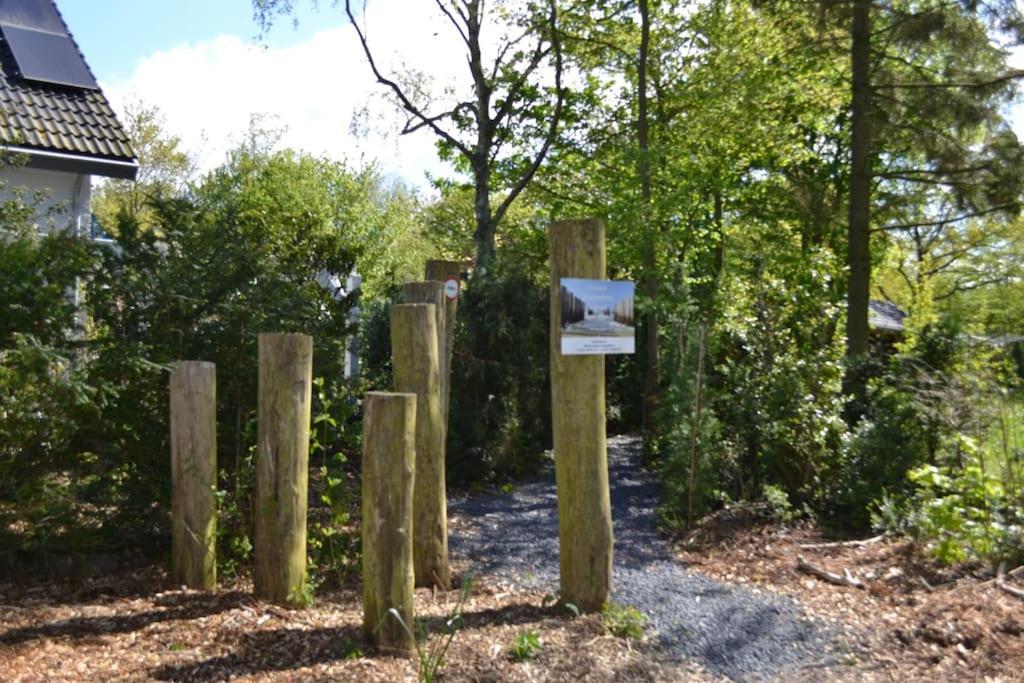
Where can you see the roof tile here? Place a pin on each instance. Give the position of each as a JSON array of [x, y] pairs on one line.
[[58, 119]]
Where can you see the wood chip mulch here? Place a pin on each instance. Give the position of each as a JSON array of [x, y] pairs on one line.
[[914, 619], [134, 626]]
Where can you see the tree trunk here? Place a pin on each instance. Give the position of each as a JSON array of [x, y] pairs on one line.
[[194, 474], [442, 271], [388, 471], [578, 420], [282, 466], [858, 235], [652, 375], [414, 358]]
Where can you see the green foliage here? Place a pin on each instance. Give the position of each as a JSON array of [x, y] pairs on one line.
[[625, 621], [500, 419], [431, 656], [333, 545], [526, 645], [164, 170], [83, 394]]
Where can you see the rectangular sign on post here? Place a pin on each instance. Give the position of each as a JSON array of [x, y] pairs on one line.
[[597, 317]]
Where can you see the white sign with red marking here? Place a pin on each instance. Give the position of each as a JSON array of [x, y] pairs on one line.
[[451, 288]]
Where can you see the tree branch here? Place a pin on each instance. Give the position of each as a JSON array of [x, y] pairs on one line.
[[946, 221], [527, 176], [458, 27], [406, 103]]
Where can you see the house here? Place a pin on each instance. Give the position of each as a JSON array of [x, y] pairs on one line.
[[57, 129], [885, 318]]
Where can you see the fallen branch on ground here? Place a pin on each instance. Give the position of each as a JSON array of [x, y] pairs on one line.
[[1005, 587], [847, 579], [1001, 574], [843, 544]]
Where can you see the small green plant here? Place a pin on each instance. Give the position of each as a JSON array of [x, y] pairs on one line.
[[526, 646], [304, 595], [625, 621], [431, 656], [350, 649]]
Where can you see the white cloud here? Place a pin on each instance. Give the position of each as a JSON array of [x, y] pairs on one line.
[[208, 91]]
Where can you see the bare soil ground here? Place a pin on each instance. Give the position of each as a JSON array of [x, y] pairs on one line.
[[134, 626], [918, 620]]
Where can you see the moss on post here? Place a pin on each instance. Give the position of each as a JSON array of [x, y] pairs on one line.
[[194, 474], [282, 466], [578, 422], [415, 364]]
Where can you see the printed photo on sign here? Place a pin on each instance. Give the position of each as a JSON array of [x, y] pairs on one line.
[[597, 316]]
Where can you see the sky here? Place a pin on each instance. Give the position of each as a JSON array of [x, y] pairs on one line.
[[202, 63]]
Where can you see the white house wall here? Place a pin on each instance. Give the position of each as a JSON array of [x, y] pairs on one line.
[[68, 195]]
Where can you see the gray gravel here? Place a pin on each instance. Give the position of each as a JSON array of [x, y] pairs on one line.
[[732, 631]]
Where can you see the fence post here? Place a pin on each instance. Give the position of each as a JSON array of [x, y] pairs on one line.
[[432, 292], [414, 359], [282, 466], [194, 474], [578, 422], [441, 271], [389, 456]]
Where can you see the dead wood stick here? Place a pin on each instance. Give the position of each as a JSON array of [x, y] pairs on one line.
[[1005, 587], [847, 579], [843, 544], [1001, 573]]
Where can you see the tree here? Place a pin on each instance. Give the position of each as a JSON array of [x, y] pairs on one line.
[[502, 131], [164, 169], [927, 81]]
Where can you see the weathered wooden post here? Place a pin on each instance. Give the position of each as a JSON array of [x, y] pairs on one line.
[[414, 359], [389, 456], [432, 292], [578, 421], [194, 474], [282, 466], [443, 271]]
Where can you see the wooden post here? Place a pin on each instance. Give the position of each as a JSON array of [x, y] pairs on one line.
[[432, 292], [578, 421], [282, 466], [194, 474], [442, 271], [389, 456], [415, 365]]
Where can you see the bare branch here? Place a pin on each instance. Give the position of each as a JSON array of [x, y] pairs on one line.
[[410, 128], [969, 85], [406, 103], [946, 221], [552, 128], [458, 27]]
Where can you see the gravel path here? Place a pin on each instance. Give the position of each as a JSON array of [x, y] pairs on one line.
[[730, 630]]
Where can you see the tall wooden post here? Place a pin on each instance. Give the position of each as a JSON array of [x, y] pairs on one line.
[[194, 474], [415, 364], [578, 420], [432, 292], [282, 466], [442, 271], [389, 456]]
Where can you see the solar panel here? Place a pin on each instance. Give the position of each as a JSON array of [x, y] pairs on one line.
[[48, 57], [38, 15]]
